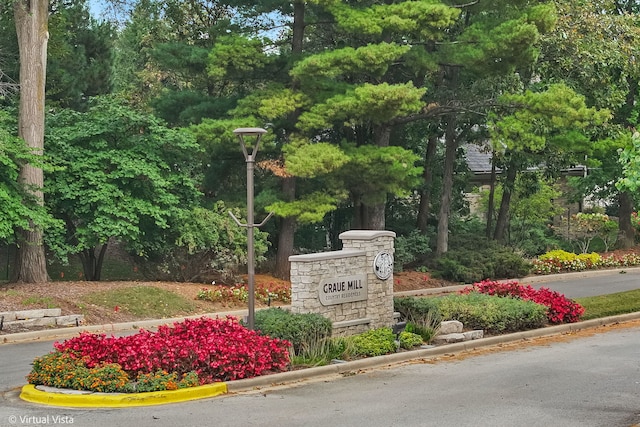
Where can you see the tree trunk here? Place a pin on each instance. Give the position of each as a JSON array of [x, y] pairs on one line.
[[626, 238], [450, 73], [492, 192], [287, 228], [92, 265], [287, 232], [374, 215], [298, 27], [503, 215], [442, 239], [375, 219], [425, 193], [31, 28]]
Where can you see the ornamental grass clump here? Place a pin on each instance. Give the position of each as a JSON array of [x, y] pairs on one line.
[[560, 309], [189, 353]]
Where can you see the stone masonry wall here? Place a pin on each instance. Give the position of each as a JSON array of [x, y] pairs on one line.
[[360, 248]]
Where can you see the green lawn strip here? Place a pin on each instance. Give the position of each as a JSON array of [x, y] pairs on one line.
[[144, 301], [610, 305]]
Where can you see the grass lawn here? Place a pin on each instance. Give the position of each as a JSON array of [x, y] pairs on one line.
[[143, 301], [610, 305]]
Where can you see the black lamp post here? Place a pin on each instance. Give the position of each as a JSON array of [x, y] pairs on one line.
[[250, 158]]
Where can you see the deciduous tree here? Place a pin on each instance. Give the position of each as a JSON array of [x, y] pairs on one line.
[[122, 174]]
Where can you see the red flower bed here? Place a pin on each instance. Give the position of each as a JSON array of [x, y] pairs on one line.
[[216, 349], [560, 309]]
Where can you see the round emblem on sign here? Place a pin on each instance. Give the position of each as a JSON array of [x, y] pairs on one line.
[[383, 265]]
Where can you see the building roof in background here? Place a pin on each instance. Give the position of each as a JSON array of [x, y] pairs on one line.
[[478, 157]]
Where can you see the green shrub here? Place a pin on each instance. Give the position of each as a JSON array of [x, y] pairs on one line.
[[302, 330], [64, 370], [491, 313], [483, 262], [410, 248], [375, 342], [413, 309], [107, 378], [558, 254], [57, 369], [409, 340]]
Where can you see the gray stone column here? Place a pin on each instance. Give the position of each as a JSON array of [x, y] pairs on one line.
[[352, 287]]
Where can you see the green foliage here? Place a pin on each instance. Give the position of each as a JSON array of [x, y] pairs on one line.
[[206, 242], [582, 228], [630, 161], [367, 103], [514, 40], [235, 55], [310, 208], [321, 351], [610, 305], [491, 313], [18, 208], [65, 370], [542, 117], [311, 160], [106, 378], [162, 380], [489, 261], [415, 309], [302, 330], [422, 315], [409, 340], [373, 172], [374, 342], [595, 38], [530, 211], [373, 59], [421, 19], [122, 174], [410, 248], [79, 55]]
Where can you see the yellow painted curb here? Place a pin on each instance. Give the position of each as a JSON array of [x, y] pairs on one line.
[[120, 400]]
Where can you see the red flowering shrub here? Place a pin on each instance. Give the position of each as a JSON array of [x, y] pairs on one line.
[[216, 349], [560, 309]]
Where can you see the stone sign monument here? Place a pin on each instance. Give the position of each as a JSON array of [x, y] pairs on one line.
[[352, 287]]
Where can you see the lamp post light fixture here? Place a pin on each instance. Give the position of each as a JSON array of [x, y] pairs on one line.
[[250, 158]]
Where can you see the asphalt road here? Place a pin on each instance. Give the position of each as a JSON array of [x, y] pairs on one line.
[[589, 381], [584, 382], [586, 284]]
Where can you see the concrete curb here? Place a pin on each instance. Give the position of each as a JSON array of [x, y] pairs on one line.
[[120, 400], [395, 358]]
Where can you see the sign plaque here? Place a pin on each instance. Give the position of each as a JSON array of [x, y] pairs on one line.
[[338, 290]]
